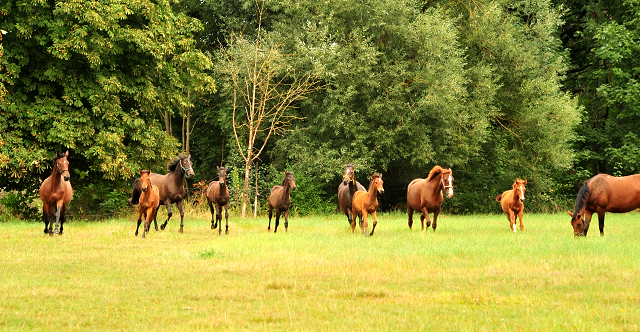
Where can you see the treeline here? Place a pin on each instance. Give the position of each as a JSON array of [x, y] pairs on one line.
[[494, 89]]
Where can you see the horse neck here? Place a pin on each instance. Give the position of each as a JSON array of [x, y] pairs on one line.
[[353, 187], [372, 193], [438, 187], [56, 178], [177, 175], [515, 197]]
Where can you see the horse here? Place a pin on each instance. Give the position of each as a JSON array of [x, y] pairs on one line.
[[218, 194], [280, 200], [511, 203], [346, 189], [425, 195], [365, 203], [170, 187], [149, 201], [56, 193], [604, 193]]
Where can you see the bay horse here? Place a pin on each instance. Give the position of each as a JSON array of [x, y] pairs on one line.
[[346, 189], [604, 193], [365, 203], [511, 202], [218, 195], [149, 201], [425, 195], [280, 200], [170, 186], [56, 193]]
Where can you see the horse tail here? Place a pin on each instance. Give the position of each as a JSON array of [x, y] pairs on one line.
[[499, 198], [581, 199], [135, 194]]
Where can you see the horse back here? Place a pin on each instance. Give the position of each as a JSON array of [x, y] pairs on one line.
[[508, 204], [278, 199], [420, 192], [216, 195], [150, 198], [50, 195], [614, 194], [168, 189]]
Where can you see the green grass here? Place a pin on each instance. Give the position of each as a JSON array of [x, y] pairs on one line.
[[472, 274]]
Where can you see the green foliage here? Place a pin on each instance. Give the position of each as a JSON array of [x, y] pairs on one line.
[[22, 204], [309, 196]]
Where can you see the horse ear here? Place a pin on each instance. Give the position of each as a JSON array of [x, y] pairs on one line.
[[66, 154], [571, 214], [141, 171], [218, 167], [525, 181], [149, 171]]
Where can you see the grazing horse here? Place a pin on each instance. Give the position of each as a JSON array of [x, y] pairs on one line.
[[218, 194], [367, 203], [149, 201], [425, 195], [56, 193], [346, 189], [511, 203], [280, 200], [604, 193], [170, 186]]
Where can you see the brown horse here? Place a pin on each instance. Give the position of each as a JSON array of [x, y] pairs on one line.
[[170, 187], [280, 200], [425, 195], [511, 203], [149, 201], [604, 193], [346, 189], [56, 193], [365, 203], [218, 194]]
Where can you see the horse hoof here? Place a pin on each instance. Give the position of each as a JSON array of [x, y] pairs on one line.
[[180, 230], [161, 227], [226, 232]]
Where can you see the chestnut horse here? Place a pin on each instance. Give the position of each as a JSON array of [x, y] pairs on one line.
[[511, 203], [149, 201], [425, 195], [170, 187], [218, 194], [604, 193], [346, 189], [280, 200], [56, 193], [365, 203]]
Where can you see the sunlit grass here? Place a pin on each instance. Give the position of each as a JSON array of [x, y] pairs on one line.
[[473, 273]]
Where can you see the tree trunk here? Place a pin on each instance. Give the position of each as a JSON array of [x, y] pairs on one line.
[[245, 186], [255, 198], [167, 122]]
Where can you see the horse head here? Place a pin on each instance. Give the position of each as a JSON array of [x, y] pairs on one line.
[[377, 182], [222, 176], [446, 178], [62, 165], [577, 221], [519, 188], [289, 180], [186, 165], [145, 182], [348, 175]]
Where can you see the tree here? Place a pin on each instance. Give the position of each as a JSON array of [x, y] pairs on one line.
[[94, 77], [264, 88]]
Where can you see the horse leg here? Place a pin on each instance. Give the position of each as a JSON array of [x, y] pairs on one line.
[[435, 219], [219, 217], [213, 219], [168, 205], [270, 213], [286, 220], [375, 222], [601, 222], [58, 208], [277, 220], [410, 211], [139, 221], [179, 204], [512, 221], [354, 216], [424, 214], [520, 217], [45, 217], [63, 218], [226, 217], [587, 221]]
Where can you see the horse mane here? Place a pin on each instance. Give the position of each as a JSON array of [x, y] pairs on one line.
[[435, 171], [582, 197], [171, 167], [516, 182], [284, 181]]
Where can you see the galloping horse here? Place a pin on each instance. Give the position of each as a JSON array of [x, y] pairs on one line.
[[511, 203], [218, 194], [604, 193], [56, 193], [425, 195], [149, 201], [346, 189], [280, 200], [170, 187], [367, 203]]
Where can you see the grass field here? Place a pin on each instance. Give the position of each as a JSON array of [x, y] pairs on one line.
[[472, 274]]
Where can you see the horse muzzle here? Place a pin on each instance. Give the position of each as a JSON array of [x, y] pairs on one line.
[[381, 191], [144, 189], [190, 174], [521, 199], [66, 177]]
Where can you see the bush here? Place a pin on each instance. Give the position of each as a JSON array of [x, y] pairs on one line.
[[22, 205]]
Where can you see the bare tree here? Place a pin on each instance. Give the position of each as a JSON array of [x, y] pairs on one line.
[[264, 88]]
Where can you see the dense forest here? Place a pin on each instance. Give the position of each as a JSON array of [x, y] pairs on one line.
[[547, 91]]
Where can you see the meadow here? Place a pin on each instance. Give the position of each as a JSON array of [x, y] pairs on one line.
[[472, 274]]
